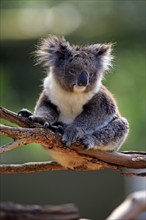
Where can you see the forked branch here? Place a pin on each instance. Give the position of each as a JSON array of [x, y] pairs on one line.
[[30, 132]]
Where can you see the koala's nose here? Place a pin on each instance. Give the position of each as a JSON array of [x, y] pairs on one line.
[[83, 79]]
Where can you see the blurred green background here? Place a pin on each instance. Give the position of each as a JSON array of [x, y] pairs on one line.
[[23, 23]]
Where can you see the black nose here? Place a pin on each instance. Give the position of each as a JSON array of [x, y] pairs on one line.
[[83, 79]]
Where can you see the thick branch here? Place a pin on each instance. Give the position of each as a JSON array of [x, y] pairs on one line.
[[16, 119], [96, 159], [48, 138], [134, 204]]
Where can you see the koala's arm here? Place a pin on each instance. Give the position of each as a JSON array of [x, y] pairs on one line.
[[45, 112], [97, 113]]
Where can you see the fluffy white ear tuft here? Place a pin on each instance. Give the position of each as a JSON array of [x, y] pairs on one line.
[[52, 51], [103, 52]]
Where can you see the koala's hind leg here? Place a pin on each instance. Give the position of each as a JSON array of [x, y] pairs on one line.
[[108, 138]]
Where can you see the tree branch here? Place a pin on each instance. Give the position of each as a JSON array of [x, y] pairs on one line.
[[16, 119], [30, 167], [30, 132], [10, 146], [133, 205], [37, 212]]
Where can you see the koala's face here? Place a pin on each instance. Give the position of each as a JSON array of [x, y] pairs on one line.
[[79, 72], [76, 69]]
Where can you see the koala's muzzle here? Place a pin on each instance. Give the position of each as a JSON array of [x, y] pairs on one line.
[[83, 79]]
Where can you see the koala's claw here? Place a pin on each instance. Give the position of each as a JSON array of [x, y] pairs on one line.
[[67, 140], [46, 124], [88, 141], [38, 119], [57, 128], [66, 143]]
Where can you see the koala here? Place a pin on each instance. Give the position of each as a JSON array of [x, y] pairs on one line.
[[74, 98]]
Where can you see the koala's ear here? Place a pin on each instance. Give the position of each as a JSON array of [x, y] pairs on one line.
[[103, 53], [102, 49], [53, 51]]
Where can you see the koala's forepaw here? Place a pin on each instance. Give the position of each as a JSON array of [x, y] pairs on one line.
[[39, 120], [88, 141], [28, 114], [24, 113], [72, 134]]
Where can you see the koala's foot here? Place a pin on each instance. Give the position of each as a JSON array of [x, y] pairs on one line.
[[72, 134], [24, 113]]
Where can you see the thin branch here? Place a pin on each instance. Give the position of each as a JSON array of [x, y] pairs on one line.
[[141, 174], [134, 204], [30, 167], [133, 161], [16, 133], [134, 152], [7, 147], [91, 159], [37, 212]]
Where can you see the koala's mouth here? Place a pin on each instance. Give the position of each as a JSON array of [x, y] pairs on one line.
[[79, 88]]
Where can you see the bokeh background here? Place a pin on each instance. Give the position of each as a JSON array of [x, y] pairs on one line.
[[22, 24]]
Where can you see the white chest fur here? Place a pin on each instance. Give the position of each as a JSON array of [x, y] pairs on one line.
[[70, 104]]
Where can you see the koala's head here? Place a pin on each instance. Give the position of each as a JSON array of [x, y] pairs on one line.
[[75, 68]]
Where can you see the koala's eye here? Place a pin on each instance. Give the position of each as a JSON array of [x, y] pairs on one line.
[[91, 74], [72, 71]]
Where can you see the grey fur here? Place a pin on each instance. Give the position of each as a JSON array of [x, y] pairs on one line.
[[95, 119]]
